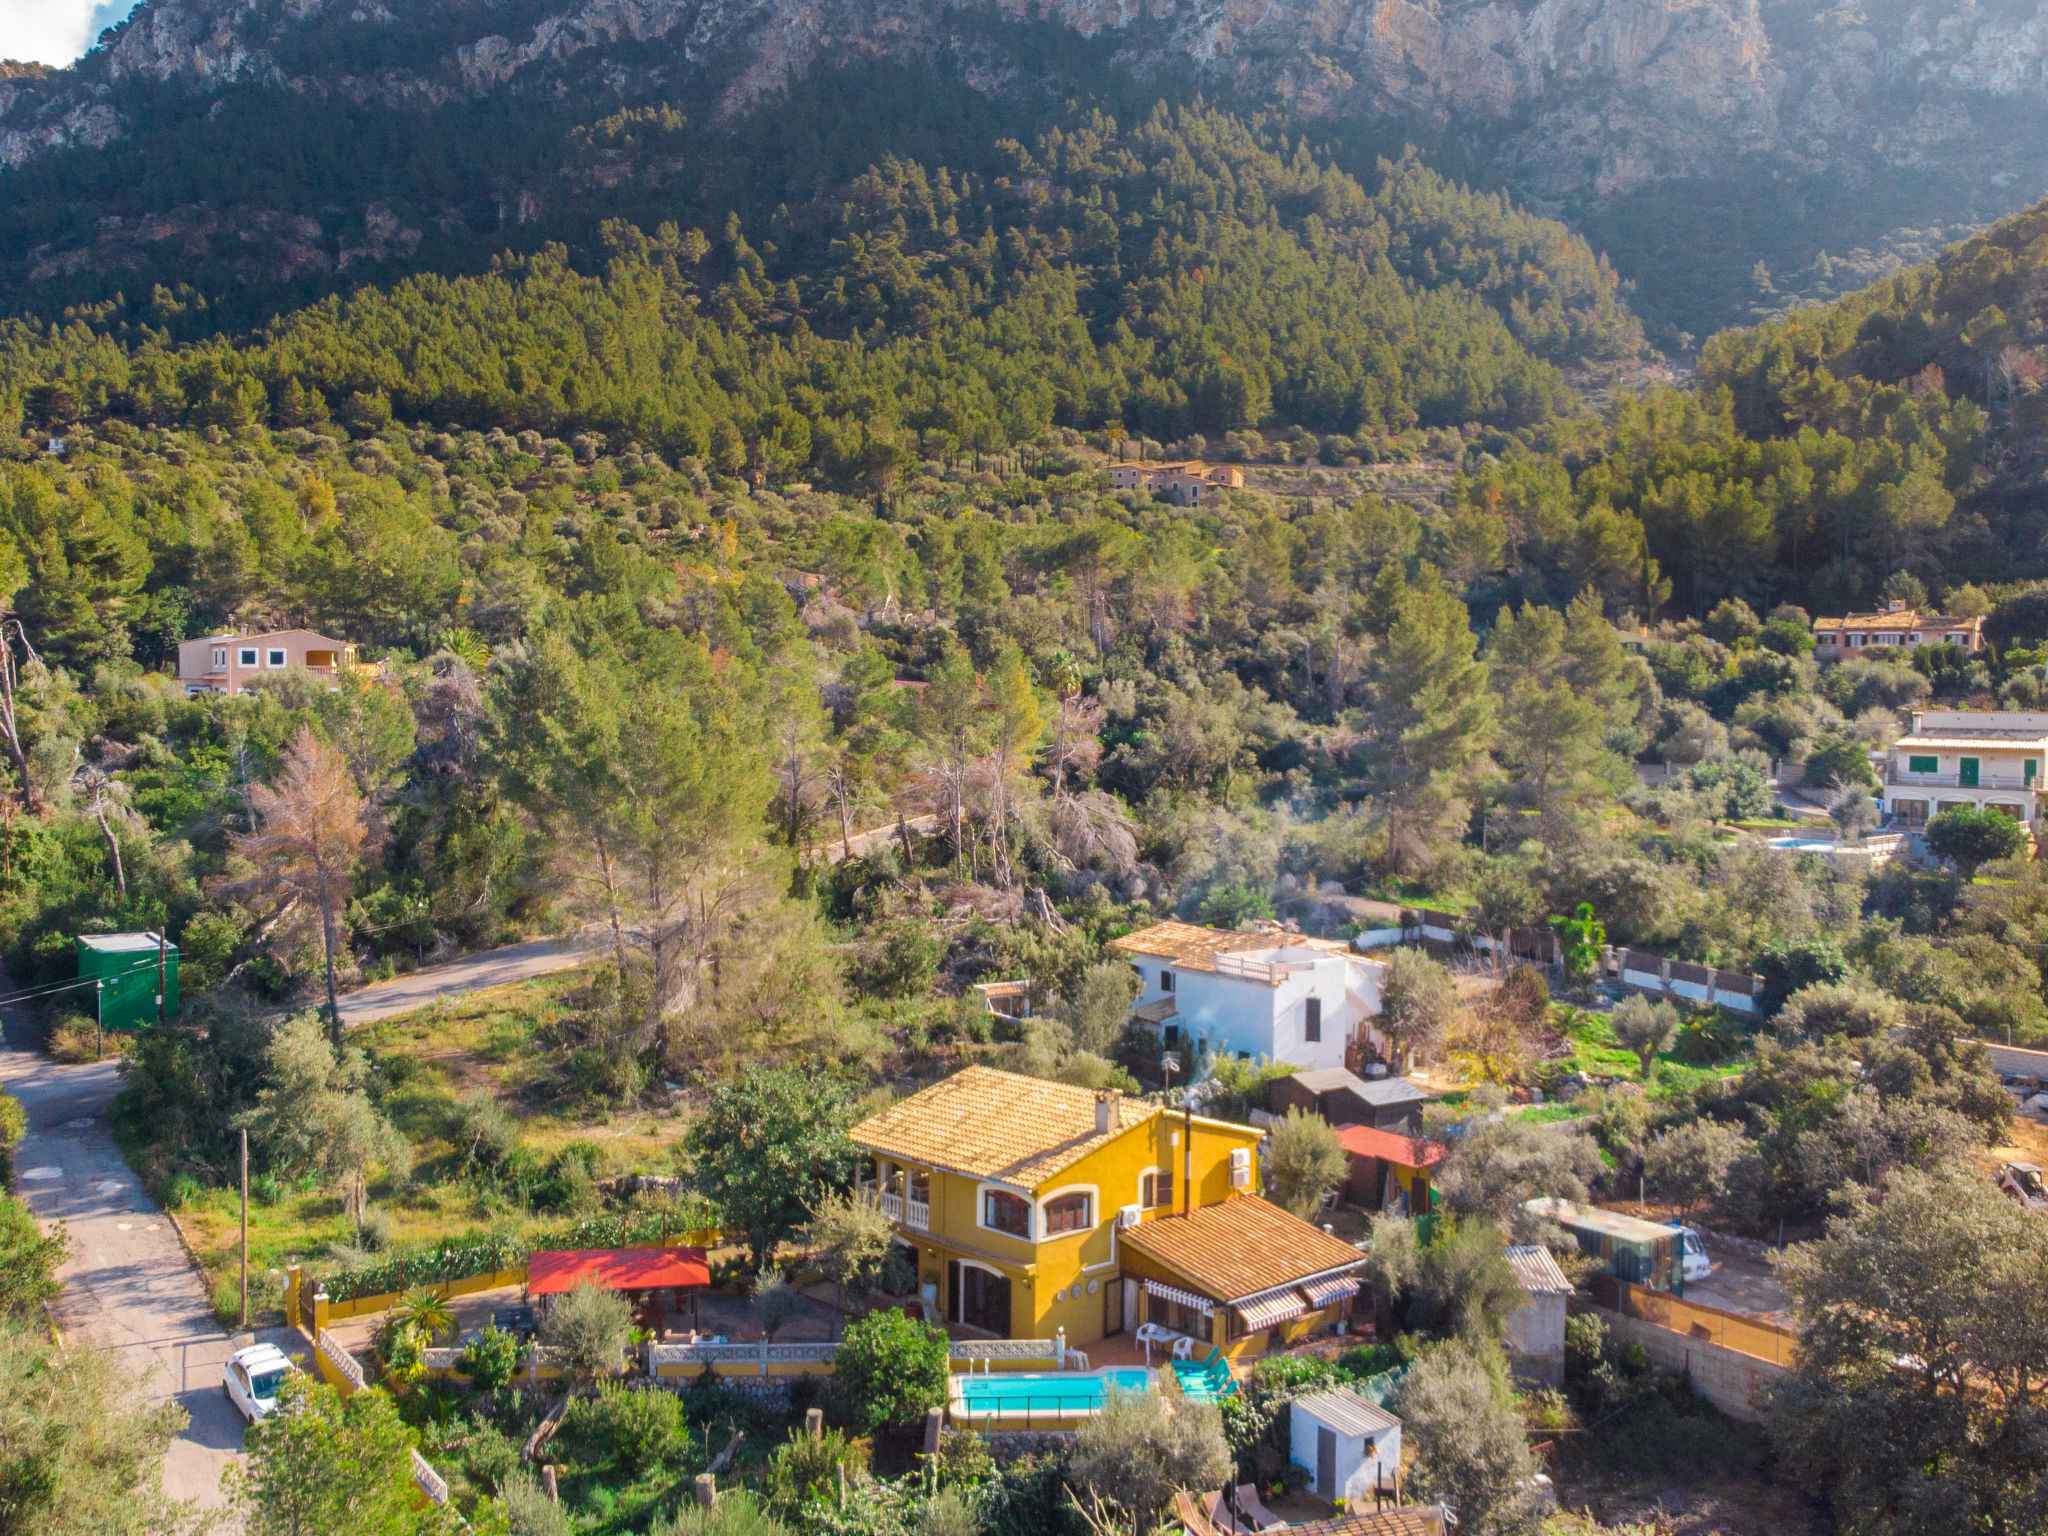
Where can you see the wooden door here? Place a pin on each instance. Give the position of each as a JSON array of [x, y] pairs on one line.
[[1112, 1307], [985, 1300]]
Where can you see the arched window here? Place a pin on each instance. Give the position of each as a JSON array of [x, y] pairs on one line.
[[1002, 1211], [1069, 1213]]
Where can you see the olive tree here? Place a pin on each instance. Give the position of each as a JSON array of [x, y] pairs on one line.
[[1469, 1443], [1690, 1165], [1134, 1455], [1915, 1399], [1417, 998], [1304, 1163], [1644, 1027]]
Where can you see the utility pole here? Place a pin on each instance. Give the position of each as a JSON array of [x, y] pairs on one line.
[[161, 944], [245, 1226], [99, 1020]]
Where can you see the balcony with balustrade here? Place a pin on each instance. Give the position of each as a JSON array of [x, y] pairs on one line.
[[907, 1208]]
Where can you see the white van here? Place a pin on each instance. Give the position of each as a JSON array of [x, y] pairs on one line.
[[251, 1377], [1697, 1265]]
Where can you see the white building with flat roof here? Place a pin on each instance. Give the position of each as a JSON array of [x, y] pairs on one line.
[[1265, 993], [1988, 759]]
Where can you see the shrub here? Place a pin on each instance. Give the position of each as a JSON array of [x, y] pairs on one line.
[[637, 1430], [803, 1468], [528, 1509], [1969, 838], [963, 1459], [491, 1359], [735, 1514], [13, 1126], [1134, 1455], [890, 1369], [74, 1039]]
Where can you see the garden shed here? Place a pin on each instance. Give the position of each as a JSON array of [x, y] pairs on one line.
[[1536, 1332], [127, 968], [1347, 1443]]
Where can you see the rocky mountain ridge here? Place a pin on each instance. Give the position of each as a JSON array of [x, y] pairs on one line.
[[1576, 105], [1575, 95]]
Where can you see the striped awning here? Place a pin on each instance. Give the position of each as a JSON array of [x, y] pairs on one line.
[[1330, 1290], [1265, 1311], [1173, 1293]]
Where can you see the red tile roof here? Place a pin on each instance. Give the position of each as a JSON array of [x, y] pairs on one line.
[[1408, 1151]]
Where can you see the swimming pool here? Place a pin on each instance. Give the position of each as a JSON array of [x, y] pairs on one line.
[[1040, 1397], [1804, 844]]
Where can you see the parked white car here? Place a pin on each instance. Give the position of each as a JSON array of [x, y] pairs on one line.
[[251, 1377]]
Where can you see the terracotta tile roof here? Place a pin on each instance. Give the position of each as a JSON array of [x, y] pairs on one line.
[[996, 1125], [1193, 947], [1408, 1151], [1240, 1247]]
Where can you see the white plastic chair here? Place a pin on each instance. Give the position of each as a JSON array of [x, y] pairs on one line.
[[1183, 1348]]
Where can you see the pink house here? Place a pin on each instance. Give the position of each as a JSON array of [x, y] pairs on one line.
[[228, 663]]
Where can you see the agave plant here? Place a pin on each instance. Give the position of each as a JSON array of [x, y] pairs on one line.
[[425, 1315]]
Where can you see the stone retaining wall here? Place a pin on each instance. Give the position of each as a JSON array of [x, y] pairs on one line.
[[1732, 1382]]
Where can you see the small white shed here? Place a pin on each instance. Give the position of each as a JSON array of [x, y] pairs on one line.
[[1536, 1332], [1346, 1442]]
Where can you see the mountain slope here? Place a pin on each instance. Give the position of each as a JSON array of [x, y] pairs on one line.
[[1794, 125], [1189, 274]]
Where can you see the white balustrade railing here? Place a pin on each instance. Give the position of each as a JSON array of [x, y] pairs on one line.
[[441, 1359], [1006, 1349], [430, 1482], [344, 1362]]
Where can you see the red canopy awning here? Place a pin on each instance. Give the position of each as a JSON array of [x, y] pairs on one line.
[[552, 1271]]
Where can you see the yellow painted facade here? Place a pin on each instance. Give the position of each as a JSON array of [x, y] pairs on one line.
[[1056, 1280]]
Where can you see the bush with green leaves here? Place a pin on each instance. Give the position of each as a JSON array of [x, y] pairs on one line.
[[1970, 838], [1133, 1455], [737, 1513], [805, 1468], [638, 1430], [890, 1369], [491, 1359]]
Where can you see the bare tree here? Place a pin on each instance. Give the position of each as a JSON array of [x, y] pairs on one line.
[[11, 633], [98, 790], [310, 835]]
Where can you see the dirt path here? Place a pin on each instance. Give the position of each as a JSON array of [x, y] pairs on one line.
[[516, 962]]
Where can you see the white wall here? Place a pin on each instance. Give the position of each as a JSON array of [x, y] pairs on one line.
[[1352, 1463], [1232, 1013]]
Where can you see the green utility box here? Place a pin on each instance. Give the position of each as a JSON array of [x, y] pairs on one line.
[[127, 966]]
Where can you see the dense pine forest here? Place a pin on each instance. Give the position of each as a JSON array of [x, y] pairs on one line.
[[755, 601]]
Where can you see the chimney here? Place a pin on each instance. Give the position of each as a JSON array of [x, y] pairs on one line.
[[1916, 722], [1109, 1111]]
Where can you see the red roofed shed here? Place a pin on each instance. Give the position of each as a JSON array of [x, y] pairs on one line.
[[1389, 1172], [553, 1271]]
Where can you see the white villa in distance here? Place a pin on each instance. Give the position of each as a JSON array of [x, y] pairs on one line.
[[1264, 993], [1994, 760]]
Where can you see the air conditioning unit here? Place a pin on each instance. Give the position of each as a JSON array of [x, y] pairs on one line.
[[1129, 1217], [1241, 1168]]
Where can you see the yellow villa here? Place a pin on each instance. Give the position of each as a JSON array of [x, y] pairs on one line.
[[1037, 1207]]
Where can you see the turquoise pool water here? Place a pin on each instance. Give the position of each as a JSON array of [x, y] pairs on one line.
[[1048, 1394]]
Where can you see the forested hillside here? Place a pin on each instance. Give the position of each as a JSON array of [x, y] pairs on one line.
[[1191, 274], [756, 603]]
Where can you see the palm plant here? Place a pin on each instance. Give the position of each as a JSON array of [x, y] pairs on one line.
[[425, 1315]]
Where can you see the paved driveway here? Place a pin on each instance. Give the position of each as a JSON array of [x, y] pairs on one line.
[[129, 1285]]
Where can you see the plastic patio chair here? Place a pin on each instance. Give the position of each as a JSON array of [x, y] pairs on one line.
[[1183, 1348]]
